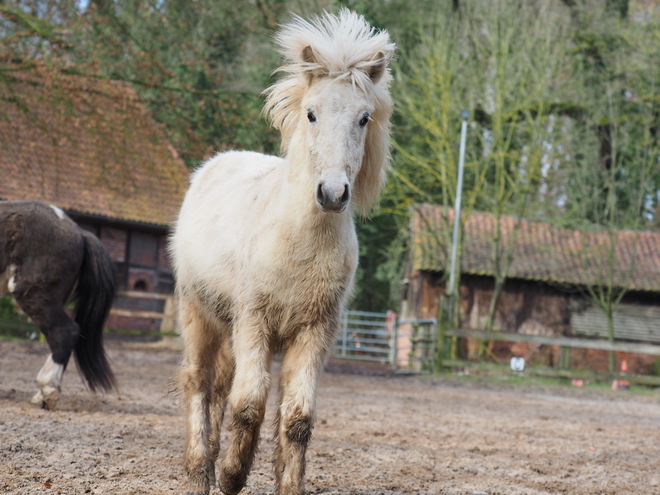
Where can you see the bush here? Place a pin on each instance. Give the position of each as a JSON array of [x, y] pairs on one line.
[[8, 309]]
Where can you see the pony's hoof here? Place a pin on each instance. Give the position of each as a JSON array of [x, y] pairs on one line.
[[50, 401], [198, 488], [231, 486], [37, 399], [47, 403]]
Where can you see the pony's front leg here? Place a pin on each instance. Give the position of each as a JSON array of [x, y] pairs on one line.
[[196, 378], [247, 400], [299, 375], [224, 372]]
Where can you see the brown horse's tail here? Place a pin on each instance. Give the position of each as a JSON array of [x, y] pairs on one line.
[[97, 284]]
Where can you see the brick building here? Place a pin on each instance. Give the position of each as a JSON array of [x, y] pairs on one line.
[[89, 147]]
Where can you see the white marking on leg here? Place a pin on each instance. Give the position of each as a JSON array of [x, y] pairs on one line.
[[11, 283], [37, 398], [49, 381], [59, 212], [198, 424]]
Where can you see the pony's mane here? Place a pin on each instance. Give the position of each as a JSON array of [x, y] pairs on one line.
[[346, 47]]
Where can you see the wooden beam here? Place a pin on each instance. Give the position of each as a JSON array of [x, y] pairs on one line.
[[602, 345], [553, 372], [142, 295], [136, 314]]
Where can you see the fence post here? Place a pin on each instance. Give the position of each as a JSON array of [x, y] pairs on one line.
[[168, 323], [395, 346], [390, 322], [344, 334], [438, 335], [564, 358]]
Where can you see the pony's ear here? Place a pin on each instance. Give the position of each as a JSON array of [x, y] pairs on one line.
[[309, 57], [377, 69]]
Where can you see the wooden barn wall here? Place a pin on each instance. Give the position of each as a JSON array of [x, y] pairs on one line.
[[525, 307], [421, 297]]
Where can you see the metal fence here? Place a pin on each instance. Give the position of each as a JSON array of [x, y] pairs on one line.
[[407, 346], [366, 336]]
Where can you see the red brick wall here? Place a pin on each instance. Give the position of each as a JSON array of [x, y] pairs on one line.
[[589, 359], [142, 276], [114, 241], [164, 264], [143, 249], [132, 323]]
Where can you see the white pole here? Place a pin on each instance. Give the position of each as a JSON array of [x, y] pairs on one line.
[[457, 206]]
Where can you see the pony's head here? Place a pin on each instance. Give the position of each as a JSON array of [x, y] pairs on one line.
[[333, 106]]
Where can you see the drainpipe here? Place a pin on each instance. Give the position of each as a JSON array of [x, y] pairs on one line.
[[457, 206]]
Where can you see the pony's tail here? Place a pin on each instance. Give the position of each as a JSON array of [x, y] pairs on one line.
[[97, 283]]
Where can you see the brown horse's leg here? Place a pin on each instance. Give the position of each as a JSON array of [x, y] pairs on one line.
[[249, 391], [196, 377], [301, 367]]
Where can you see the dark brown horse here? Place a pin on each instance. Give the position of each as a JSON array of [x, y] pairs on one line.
[[45, 261]]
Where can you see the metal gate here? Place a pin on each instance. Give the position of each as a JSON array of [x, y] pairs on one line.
[[409, 345], [366, 336]]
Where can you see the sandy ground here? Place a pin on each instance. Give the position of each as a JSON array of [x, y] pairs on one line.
[[376, 434]]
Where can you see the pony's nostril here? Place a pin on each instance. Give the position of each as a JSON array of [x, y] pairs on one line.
[[346, 196], [319, 194], [331, 198]]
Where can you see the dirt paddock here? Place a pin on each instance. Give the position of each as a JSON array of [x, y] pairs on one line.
[[375, 434]]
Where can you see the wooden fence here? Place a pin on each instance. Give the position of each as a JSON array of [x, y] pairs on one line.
[[11, 328], [565, 343], [168, 317]]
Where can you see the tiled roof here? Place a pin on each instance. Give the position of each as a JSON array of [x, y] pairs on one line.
[[542, 251], [85, 145]]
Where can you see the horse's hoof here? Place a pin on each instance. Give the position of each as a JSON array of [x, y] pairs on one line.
[[197, 488], [47, 403], [50, 402], [37, 399], [231, 487]]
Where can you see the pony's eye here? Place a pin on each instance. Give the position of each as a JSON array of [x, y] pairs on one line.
[[310, 116], [364, 120]]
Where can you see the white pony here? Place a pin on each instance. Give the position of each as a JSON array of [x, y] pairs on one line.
[[265, 249]]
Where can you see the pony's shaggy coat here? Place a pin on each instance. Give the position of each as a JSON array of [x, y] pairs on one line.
[[265, 249]]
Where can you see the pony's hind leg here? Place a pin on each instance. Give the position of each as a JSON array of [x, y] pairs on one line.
[[196, 377], [61, 334], [299, 374], [247, 399]]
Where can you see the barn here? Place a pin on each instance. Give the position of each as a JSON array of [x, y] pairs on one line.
[[89, 147], [547, 291]]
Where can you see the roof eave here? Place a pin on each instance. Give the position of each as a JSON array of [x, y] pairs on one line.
[[118, 222], [547, 281]]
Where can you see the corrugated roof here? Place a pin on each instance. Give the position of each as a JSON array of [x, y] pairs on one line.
[[542, 251], [85, 145]]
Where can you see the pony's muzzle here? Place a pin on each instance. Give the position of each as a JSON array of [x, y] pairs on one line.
[[332, 199]]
